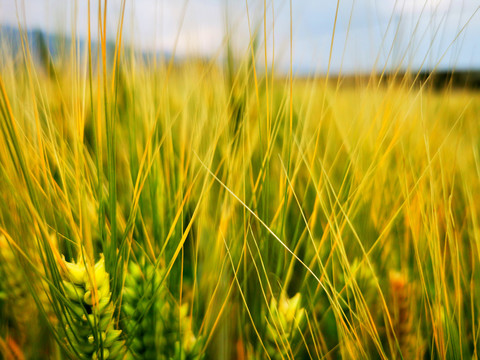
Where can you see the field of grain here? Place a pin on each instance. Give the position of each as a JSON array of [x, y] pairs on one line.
[[166, 210]]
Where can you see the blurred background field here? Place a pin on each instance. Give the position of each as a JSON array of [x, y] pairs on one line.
[[233, 202]]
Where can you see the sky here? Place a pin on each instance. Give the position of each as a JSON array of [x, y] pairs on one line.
[[369, 34]]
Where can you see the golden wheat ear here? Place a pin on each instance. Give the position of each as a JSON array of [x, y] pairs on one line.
[[401, 308]]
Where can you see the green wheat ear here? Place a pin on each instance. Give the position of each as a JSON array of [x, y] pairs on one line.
[[284, 323], [19, 305], [25, 298], [156, 328], [189, 347], [362, 282], [139, 310], [90, 331]]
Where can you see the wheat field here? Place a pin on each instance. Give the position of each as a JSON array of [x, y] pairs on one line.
[[189, 210]]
